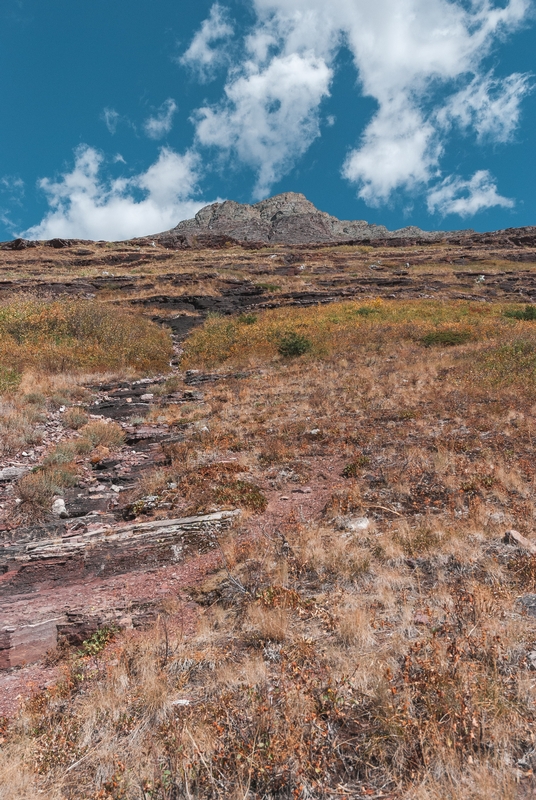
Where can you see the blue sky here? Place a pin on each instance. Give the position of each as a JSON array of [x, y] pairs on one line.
[[121, 118]]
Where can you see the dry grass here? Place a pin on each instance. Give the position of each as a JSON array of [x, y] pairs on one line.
[[341, 328], [75, 335], [372, 649], [49, 351]]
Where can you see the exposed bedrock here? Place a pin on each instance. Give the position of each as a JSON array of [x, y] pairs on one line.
[[36, 566]]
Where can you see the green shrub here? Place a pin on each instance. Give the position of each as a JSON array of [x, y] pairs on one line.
[[445, 338], [352, 470], [366, 311], [97, 642], [247, 319], [63, 453], [293, 344], [528, 313]]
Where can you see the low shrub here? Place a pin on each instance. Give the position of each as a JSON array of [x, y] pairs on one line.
[[353, 469], [511, 364], [247, 319], [75, 418], [38, 488], [102, 434], [446, 338], [528, 313], [293, 344], [9, 379], [242, 494]]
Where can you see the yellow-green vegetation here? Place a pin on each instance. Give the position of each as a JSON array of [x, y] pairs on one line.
[[76, 335], [341, 328]]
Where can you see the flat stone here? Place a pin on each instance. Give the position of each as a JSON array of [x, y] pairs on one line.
[[27, 643], [12, 473], [357, 524]]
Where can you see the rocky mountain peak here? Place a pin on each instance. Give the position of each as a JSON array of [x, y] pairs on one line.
[[288, 218]]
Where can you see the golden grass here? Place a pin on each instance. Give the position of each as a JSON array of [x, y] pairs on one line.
[[76, 336], [344, 328]]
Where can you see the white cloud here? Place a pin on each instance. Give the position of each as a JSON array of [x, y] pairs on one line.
[[201, 56], [466, 198], [85, 204], [158, 126], [489, 105], [421, 60], [269, 116], [13, 184], [399, 149], [111, 119]]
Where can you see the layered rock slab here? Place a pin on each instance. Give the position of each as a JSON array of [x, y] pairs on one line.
[[29, 630]]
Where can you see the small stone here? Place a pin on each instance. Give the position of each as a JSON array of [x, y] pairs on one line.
[[315, 432], [355, 524], [62, 409], [302, 490], [146, 397], [58, 507], [284, 497], [12, 473], [115, 489]]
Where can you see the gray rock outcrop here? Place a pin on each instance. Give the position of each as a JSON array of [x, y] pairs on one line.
[[287, 218]]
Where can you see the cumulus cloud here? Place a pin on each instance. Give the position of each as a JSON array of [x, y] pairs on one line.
[[269, 117], [159, 125], [399, 149], [421, 60], [466, 198], [201, 56], [85, 204]]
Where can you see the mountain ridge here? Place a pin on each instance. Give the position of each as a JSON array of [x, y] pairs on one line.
[[287, 218]]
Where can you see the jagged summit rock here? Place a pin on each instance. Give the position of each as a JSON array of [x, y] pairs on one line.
[[287, 218]]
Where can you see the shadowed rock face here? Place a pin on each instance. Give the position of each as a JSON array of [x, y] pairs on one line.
[[287, 218]]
